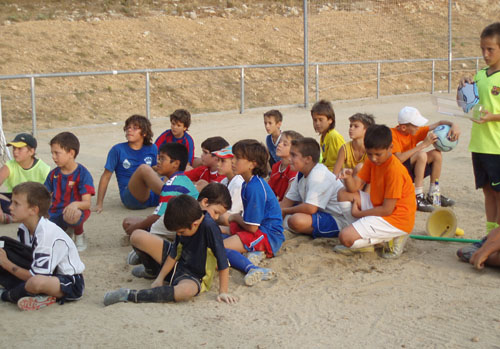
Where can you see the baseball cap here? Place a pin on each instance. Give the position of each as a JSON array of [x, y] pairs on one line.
[[410, 115], [23, 140], [224, 153]]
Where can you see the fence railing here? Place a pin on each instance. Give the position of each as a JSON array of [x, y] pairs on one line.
[[241, 68]]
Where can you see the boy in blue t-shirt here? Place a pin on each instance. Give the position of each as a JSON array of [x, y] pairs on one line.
[[71, 186], [272, 122], [125, 158]]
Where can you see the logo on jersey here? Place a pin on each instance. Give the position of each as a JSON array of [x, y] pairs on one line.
[[71, 183], [42, 260], [148, 160], [495, 90], [126, 164]]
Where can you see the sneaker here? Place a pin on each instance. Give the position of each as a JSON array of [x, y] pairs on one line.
[[81, 244], [423, 205], [133, 258], [465, 253], [71, 233], [141, 272], [2, 290], [113, 297], [445, 201], [256, 275], [395, 247], [346, 251], [256, 257], [35, 302]]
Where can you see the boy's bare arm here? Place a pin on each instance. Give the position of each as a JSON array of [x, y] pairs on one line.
[[144, 224], [167, 267], [454, 133], [340, 162], [351, 183], [300, 208], [237, 218], [12, 268], [224, 296], [101, 189], [386, 209], [4, 173], [429, 139], [491, 245]]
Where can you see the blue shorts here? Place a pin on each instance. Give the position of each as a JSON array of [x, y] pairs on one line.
[[132, 203], [486, 170], [324, 225], [72, 286]]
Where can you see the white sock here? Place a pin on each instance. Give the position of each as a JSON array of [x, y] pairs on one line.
[[419, 190], [346, 208], [360, 243]]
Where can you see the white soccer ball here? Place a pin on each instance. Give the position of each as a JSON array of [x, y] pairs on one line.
[[467, 96], [443, 143]]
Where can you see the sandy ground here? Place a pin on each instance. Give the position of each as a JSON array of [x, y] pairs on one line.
[[427, 298]]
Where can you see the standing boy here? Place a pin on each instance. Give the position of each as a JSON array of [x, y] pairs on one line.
[[388, 212], [310, 206], [272, 122], [125, 158], [71, 186], [56, 269]]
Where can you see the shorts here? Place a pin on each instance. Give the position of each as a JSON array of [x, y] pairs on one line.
[[72, 286], [376, 229], [132, 203], [410, 167], [324, 225], [486, 170], [252, 241], [78, 227]]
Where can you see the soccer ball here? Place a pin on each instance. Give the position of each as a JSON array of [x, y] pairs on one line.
[[443, 143], [467, 97]]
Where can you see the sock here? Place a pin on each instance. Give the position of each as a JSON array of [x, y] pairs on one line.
[[490, 226], [239, 261], [16, 293], [419, 190], [360, 243], [152, 295], [346, 208]]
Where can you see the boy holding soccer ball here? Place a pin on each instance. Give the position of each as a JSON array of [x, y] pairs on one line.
[[485, 147]]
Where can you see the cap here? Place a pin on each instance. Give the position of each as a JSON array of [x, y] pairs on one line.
[[410, 115], [224, 153], [23, 140]]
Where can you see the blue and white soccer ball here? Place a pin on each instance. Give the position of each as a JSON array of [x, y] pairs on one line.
[[443, 143], [467, 97]]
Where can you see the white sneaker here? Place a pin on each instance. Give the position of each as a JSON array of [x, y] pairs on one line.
[[81, 244]]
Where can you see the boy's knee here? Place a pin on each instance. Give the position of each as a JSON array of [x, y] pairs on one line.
[[136, 237], [345, 238], [420, 157], [296, 222], [34, 284], [71, 219]]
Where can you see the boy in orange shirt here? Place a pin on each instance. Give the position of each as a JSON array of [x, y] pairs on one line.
[[409, 139], [387, 213]]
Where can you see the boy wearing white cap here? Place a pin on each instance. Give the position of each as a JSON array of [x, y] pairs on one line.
[[409, 141]]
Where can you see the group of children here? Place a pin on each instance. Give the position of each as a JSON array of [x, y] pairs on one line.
[[223, 212]]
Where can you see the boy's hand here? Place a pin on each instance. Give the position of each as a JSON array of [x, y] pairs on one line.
[[3, 256], [227, 298], [429, 139], [157, 283], [454, 133], [97, 208], [72, 212], [465, 80], [345, 173], [355, 210], [478, 259], [485, 117]]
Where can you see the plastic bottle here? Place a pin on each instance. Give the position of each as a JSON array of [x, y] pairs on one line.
[[436, 194]]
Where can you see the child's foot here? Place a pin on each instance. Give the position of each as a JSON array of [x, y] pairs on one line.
[[394, 248], [141, 272], [445, 201], [113, 297], [81, 244], [257, 275], [133, 258], [346, 251], [256, 257], [423, 205], [35, 302], [465, 253]]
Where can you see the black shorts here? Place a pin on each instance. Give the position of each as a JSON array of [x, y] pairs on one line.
[[410, 167], [486, 170], [72, 286]]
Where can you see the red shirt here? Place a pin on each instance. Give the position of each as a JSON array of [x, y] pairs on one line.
[[279, 181], [203, 172]]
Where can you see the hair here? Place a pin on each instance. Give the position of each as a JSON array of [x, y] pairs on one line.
[[181, 212], [214, 143], [143, 124], [181, 115], [176, 151], [216, 194], [292, 135], [275, 114], [308, 146], [253, 150], [492, 30], [378, 137], [366, 119], [36, 195], [325, 108], [68, 141]]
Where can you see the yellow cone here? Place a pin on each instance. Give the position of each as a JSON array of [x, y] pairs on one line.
[[442, 222]]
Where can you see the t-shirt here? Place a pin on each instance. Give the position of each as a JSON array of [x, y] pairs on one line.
[[201, 252], [330, 146], [319, 189], [203, 172], [350, 160], [279, 180], [37, 173], [124, 161], [392, 181], [234, 188], [404, 142], [271, 148], [261, 208], [53, 250], [66, 188], [485, 138], [186, 140]]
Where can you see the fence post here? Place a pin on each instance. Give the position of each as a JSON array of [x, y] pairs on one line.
[[148, 105], [378, 80], [317, 82], [449, 47], [242, 90], [33, 107], [306, 57], [432, 76]]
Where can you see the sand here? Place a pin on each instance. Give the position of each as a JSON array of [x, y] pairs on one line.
[[426, 298]]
